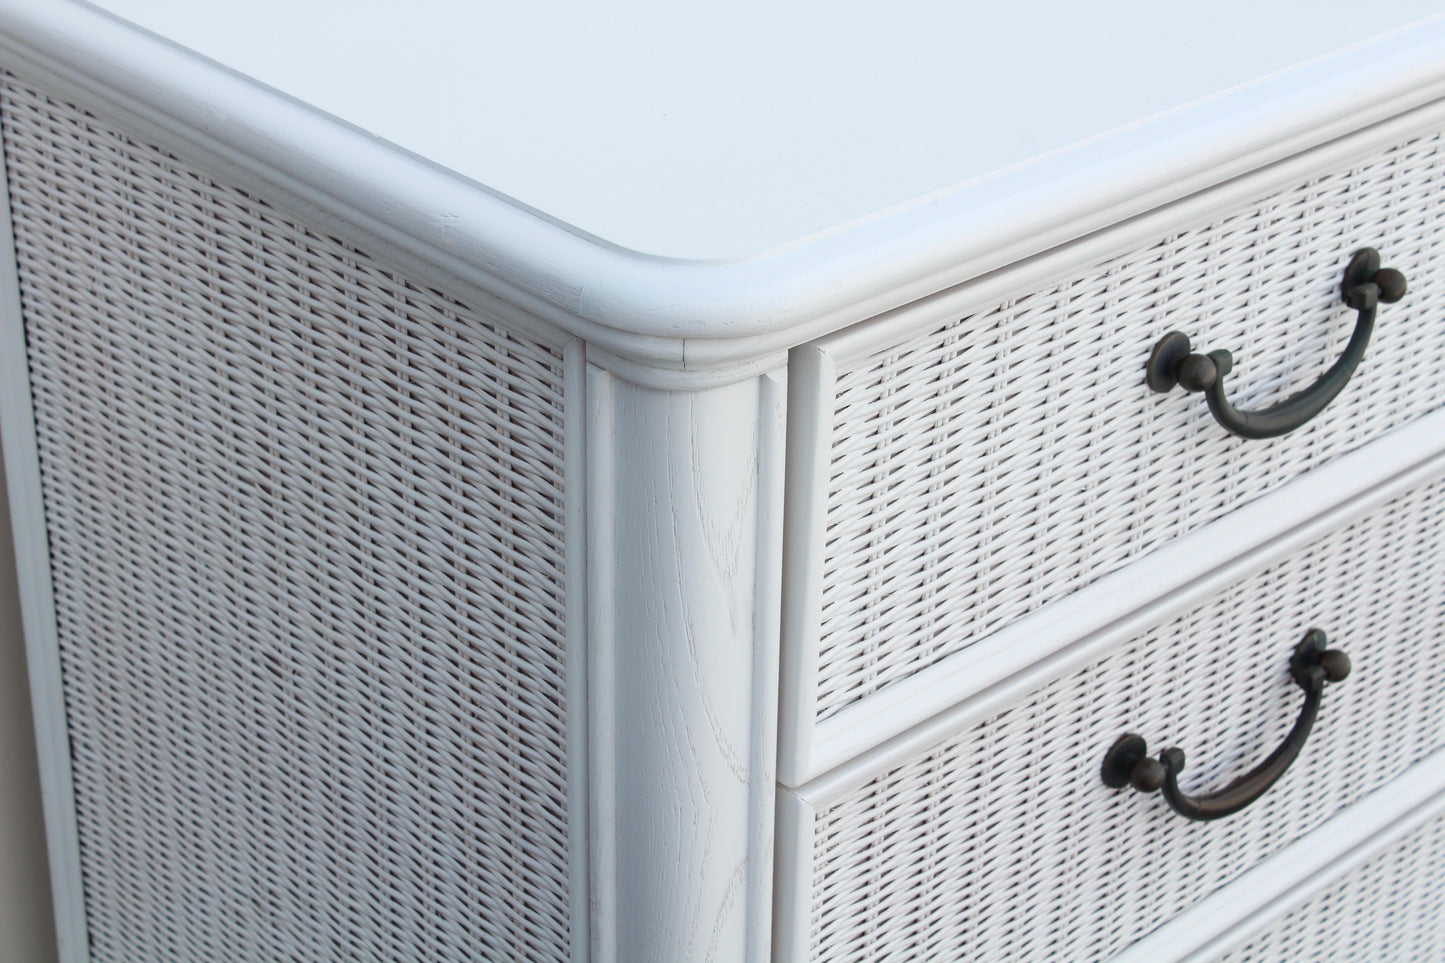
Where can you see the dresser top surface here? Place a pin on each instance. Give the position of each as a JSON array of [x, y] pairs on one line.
[[697, 188], [726, 130]]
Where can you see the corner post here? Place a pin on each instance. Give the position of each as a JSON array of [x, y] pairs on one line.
[[684, 546]]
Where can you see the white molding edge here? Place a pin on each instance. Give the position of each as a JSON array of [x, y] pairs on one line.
[[684, 556], [1247, 905], [37, 608], [574, 474], [684, 378], [793, 878], [810, 439], [762, 770], [898, 722], [686, 315], [861, 342], [601, 677]]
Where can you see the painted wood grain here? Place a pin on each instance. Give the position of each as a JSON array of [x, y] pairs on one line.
[[684, 495]]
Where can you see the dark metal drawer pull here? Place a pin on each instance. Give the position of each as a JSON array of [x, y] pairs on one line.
[[1365, 285], [1128, 764]]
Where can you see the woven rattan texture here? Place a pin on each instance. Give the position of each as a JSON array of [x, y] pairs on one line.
[[1391, 908], [1010, 457], [306, 528], [1004, 844]]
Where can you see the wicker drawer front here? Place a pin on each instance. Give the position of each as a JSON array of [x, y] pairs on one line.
[[1003, 460], [306, 535], [1391, 908], [1002, 843]]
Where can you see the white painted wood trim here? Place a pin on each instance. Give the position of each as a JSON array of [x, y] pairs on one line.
[[683, 315], [768, 592], [1233, 914], [684, 553], [793, 888], [897, 723], [601, 678], [37, 608], [574, 414], [810, 439]]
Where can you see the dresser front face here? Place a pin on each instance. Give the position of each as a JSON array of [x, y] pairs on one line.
[[1002, 843], [957, 476], [306, 525], [1006, 552]]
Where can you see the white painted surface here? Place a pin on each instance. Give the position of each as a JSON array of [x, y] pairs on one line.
[[718, 133], [26, 929], [37, 615], [683, 549], [1228, 917], [578, 737], [894, 327], [883, 732], [811, 381], [793, 877], [721, 130], [809, 749], [1232, 914], [690, 321]]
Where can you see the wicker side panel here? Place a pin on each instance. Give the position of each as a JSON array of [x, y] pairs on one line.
[[1391, 908], [306, 526], [1004, 844], [1008, 458]]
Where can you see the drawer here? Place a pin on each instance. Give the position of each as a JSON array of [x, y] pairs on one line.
[[1391, 908], [953, 472], [997, 841]]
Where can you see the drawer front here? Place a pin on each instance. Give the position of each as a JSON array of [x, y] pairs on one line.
[[306, 539], [1004, 459], [1391, 908], [1003, 843]]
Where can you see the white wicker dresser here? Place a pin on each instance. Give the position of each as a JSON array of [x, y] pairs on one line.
[[764, 483]]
